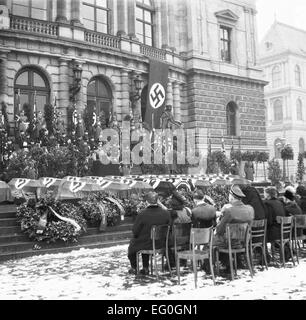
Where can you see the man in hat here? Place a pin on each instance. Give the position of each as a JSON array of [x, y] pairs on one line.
[[152, 215], [203, 214], [234, 212], [291, 207]]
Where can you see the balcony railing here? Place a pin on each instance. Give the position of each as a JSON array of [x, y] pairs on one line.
[[153, 52], [34, 26], [103, 40]]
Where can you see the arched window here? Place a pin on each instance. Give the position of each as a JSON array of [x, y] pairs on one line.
[[299, 110], [99, 97], [96, 15], [301, 145], [29, 83], [278, 110], [231, 119], [298, 78], [277, 148], [31, 8], [276, 77], [144, 21]]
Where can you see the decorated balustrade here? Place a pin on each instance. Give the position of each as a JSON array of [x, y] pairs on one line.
[[101, 39], [153, 52], [33, 26]]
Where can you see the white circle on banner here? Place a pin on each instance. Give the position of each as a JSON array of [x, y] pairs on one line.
[[157, 95]]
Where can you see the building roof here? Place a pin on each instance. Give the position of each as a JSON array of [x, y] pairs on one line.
[[282, 38]]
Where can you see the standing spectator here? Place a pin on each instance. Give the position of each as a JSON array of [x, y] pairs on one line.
[[152, 215], [203, 214], [249, 170], [274, 208], [252, 197], [291, 207]]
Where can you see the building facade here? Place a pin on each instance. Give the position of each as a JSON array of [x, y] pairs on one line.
[[209, 45], [283, 59]]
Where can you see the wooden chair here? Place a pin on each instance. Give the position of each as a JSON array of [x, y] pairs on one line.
[[198, 237], [286, 237], [258, 239], [299, 226], [158, 233], [237, 241]]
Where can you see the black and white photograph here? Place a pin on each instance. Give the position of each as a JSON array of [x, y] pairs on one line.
[[152, 150]]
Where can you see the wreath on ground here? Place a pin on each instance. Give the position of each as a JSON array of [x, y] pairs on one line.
[[40, 223]]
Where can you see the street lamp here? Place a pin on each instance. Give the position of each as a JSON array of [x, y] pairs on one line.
[[76, 87], [136, 88]]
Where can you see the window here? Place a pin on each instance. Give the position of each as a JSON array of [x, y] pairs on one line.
[[36, 9], [276, 77], [277, 148], [225, 44], [99, 97], [278, 110], [95, 15], [28, 83], [301, 145], [144, 22], [299, 110], [231, 113], [297, 72]]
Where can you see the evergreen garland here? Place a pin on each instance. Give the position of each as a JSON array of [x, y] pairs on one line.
[[300, 168]]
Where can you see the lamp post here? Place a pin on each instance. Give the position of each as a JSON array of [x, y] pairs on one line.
[[76, 87], [136, 89]]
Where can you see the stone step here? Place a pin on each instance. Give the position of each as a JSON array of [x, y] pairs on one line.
[[8, 222], [8, 211], [28, 253], [8, 238], [13, 230]]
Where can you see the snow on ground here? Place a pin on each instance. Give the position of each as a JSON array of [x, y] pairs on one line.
[[101, 274]]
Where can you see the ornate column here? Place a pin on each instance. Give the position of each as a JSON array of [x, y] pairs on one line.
[[125, 93], [76, 12], [131, 18], [3, 76], [176, 101], [63, 87], [61, 15], [171, 24], [164, 24], [169, 94], [122, 21]]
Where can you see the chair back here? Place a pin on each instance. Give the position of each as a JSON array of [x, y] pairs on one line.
[[258, 231], [160, 234], [237, 232], [286, 227], [181, 234], [200, 236]]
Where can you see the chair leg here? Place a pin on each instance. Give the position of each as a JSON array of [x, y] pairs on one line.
[[264, 253], [230, 256], [248, 261], [195, 272], [283, 253], [291, 253], [178, 269], [151, 264], [235, 263], [137, 263], [155, 265], [212, 269], [217, 262], [168, 262], [251, 259]]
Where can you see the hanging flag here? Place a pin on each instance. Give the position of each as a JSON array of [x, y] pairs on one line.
[[156, 99]]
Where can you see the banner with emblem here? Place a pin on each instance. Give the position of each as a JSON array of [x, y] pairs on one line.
[[157, 88]]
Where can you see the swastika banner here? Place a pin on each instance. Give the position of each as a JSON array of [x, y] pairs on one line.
[[157, 88]]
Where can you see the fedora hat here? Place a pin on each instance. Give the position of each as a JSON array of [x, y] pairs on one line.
[[236, 191]]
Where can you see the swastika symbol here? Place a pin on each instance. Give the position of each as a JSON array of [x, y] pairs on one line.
[[157, 95]]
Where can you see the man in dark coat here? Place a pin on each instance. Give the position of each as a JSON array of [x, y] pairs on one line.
[[291, 207], [152, 215]]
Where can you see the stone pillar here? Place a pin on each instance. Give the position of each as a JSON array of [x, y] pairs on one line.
[[61, 15], [63, 86], [3, 76], [248, 37], [157, 34], [164, 24], [169, 94], [76, 12], [125, 93], [122, 18], [171, 24], [131, 18], [176, 101]]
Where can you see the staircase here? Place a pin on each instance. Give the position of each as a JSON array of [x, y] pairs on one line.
[[14, 244]]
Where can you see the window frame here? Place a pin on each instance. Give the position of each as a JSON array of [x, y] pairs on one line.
[[231, 127], [280, 108], [144, 7], [228, 42], [96, 7], [276, 81], [30, 7], [298, 76], [299, 110]]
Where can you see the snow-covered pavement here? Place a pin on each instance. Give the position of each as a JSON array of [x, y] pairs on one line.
[[102, 274]]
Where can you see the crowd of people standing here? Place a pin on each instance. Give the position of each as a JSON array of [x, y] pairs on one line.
[[244, 205]]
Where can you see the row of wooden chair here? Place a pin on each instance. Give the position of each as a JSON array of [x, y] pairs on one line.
[[197, 244]]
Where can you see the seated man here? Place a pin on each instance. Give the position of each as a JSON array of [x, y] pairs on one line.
[[203, 214], [291, 207], [152, 215]]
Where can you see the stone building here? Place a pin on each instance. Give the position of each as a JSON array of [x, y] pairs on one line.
[[209, 45], [283, 59]]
